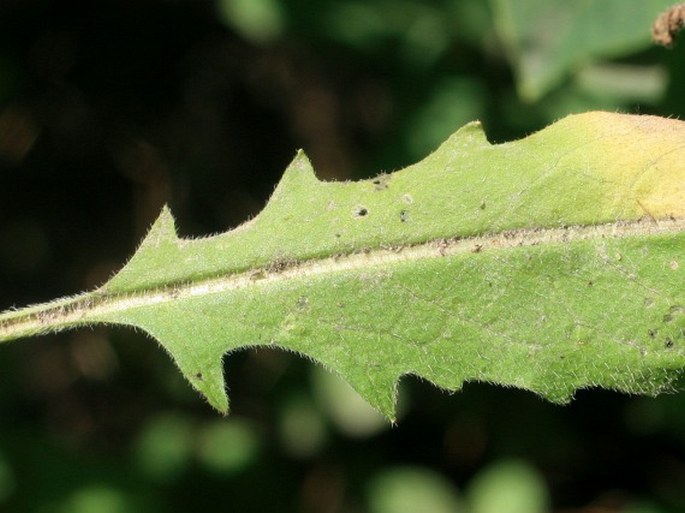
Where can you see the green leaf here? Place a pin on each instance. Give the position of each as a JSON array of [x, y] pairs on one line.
[[551, 263], [547, 39]]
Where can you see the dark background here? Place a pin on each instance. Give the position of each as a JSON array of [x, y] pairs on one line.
[[110, 109]]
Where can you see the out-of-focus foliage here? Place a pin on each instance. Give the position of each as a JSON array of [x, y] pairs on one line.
[[110, 109], [547, 39]]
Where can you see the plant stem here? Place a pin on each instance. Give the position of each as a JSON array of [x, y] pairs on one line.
[[45, 318]]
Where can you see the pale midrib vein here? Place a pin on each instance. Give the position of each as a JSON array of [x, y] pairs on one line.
[[90, 307]]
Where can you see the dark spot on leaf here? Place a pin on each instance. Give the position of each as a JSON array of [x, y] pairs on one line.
[[404, 216], [278, 265], [482, 205], [380, 183], [360, 211], [199, 376], [673, 312], [302, 302], [337, 235], [590, 283], [652, 333], [668, 343]]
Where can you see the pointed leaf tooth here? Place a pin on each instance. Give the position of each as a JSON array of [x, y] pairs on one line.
[[299, 176], [155, 257], [378, 389], [162, 231], [208, 379]]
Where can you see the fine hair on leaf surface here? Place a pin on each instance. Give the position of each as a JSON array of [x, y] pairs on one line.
[[551, 263]]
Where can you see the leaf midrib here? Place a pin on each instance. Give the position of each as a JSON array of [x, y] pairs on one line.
[[87, 308]]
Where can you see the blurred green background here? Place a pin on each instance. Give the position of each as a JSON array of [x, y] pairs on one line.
[[110, 109]]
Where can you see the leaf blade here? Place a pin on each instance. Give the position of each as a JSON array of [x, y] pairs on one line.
[[551, 263]]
